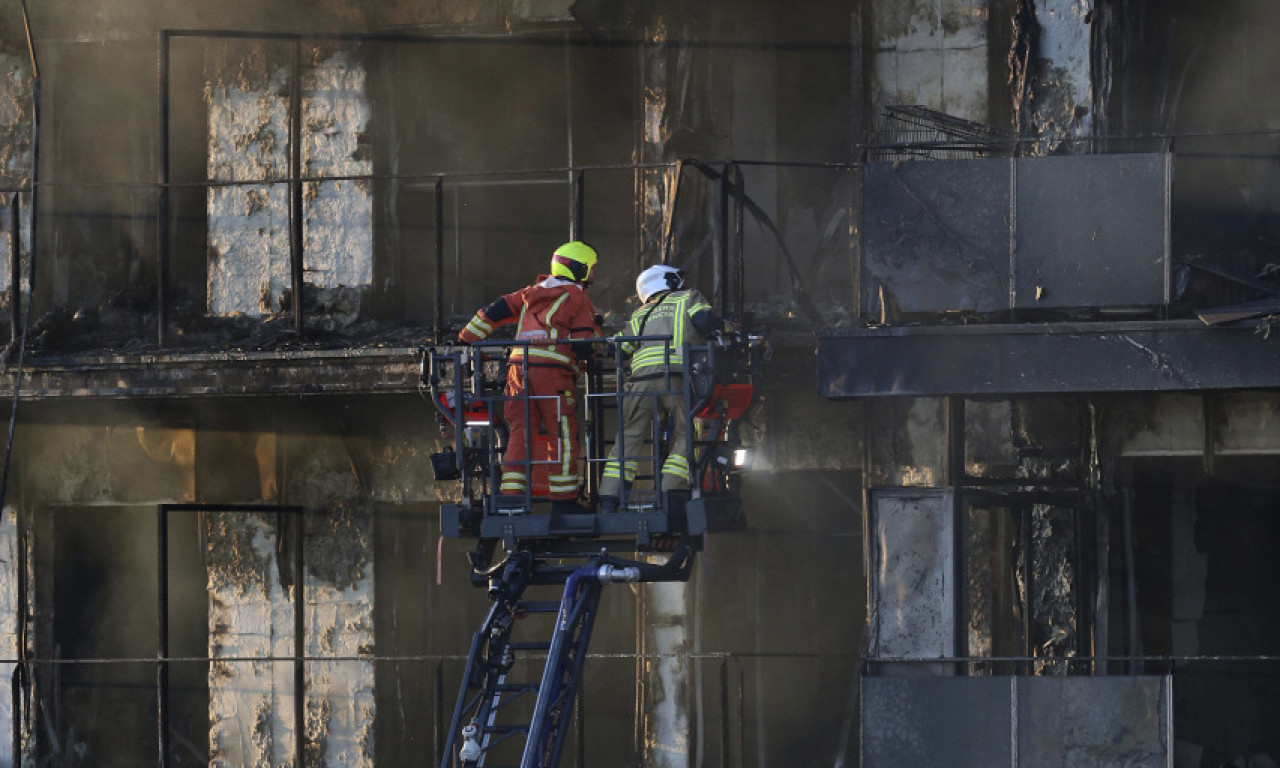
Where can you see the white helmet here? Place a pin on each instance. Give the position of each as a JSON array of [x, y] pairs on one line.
[[657, 279]]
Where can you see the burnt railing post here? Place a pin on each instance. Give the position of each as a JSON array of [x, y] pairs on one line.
[[296, 255], [739, 278], [162, 634], [579, 199], [15, 268], [721, 280], [439, 308], [299, 640], [162, 190]]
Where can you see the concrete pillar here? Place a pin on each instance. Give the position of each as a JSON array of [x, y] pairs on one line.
[[1053, 73], [666, 678], [9, 580]]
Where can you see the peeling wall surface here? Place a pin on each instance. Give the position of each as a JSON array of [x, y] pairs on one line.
[[339, 597], [250, 614], [932, 53], [339, 229], [1057, 101], [248, 224], [9, 581], [15, 153], [15, 120], [249, 231]]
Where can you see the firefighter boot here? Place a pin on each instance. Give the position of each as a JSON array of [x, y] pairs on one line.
[[608, 505]]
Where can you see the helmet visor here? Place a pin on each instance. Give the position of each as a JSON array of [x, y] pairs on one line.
[[572, 268]]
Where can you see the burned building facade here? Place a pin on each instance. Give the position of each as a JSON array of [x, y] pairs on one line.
[[1013, 485]]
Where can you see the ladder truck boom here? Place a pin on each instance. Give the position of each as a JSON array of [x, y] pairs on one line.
[[500, 719]]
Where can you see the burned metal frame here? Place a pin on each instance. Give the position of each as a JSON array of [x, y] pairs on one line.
[[1021, 504], [15, 266], [1054, 358], [728, 176], [730, 181], [297, 515]]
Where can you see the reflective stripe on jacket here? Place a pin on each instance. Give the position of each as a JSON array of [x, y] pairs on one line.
[[669, 314], [550, 312]]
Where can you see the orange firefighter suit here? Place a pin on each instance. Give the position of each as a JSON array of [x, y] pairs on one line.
[[551, 313]]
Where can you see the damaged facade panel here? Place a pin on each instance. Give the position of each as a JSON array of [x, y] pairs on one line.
[[1017, 234], [249, 224], [1052, 76], [15, 120], [253, 604], [912, 564], [1019, 721], [932, 53], [339, 597], [338, 236], [10, 612], [250, 615], [15, 161]]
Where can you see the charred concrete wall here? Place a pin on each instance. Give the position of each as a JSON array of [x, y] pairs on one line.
[[757, 80], [15, 153], [252, 613], [239, 584], [10, 545], [933, 53], [1052, 74], [249, 140], [768, 621]]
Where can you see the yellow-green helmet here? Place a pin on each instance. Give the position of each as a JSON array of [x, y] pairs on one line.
[[574, 261]]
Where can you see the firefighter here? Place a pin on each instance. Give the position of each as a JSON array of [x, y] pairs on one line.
[[551, 313], [668, 310]]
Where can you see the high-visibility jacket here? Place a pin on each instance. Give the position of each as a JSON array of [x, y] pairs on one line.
[[685, 316], [550, 312]]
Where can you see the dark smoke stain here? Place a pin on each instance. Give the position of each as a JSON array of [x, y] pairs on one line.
[[1023, 53], [234, 561], [318, 716]]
